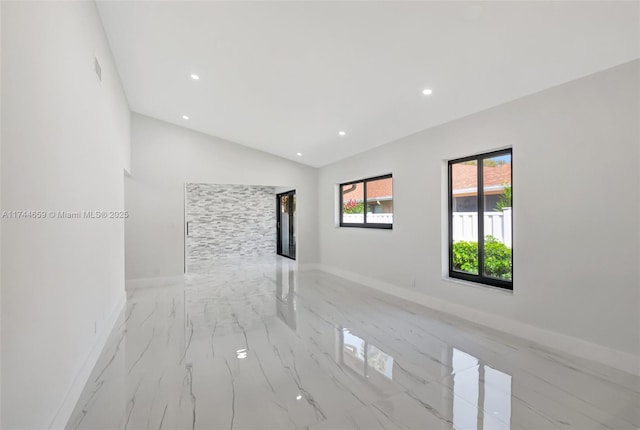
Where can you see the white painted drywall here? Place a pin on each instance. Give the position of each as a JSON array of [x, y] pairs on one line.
[[164, 157], [576, 184], [0, 207], [65, 137]]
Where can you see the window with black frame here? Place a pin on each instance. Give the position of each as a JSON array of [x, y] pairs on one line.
[[481, 219], [367, 203]]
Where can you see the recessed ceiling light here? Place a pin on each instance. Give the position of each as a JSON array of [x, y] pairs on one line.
[[342, 133], [185, 117], [298, 397], [195, 77], [427, 91], [299, 154]]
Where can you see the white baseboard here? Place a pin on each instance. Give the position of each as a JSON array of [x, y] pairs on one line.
[[72, 396], [568, 344], [161, 281]]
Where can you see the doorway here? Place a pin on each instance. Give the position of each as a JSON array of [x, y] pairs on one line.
[[286, 217]]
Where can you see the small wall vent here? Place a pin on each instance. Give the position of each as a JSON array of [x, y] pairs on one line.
[[98, 68]]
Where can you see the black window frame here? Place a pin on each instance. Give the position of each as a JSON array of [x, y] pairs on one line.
[[480, 278], [364, 224]]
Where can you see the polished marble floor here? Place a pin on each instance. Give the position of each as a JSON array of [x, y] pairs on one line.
[[258, 345]]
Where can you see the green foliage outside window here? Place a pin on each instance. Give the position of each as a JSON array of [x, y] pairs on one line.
[[497, 258], [505, 199]]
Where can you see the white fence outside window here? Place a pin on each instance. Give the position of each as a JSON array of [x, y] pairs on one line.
[[465, 224], [371, 218], [496, 224]]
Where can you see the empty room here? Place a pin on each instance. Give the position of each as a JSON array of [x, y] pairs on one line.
[[319, 215]]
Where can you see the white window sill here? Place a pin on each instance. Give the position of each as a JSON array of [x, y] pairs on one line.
[[484, 287]]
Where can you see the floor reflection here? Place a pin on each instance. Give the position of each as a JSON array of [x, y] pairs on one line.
[[363, 358], [480, 393], [223, 298], [286, 279]]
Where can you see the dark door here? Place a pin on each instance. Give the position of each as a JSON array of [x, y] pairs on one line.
[[286, 207]]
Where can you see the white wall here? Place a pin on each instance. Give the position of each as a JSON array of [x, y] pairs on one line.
[[65, 139], [576, 184], [0, 207], [164, 158]]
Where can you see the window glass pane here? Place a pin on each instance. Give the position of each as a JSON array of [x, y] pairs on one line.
[[380, 201], [464, 216], [352, 203], [284, 224], [292, 246], [496, 182]]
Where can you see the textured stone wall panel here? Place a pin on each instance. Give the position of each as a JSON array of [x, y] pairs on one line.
[[229, 221]]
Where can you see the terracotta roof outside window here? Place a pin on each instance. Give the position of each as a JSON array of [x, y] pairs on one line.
[[378, 189], [465, 176]]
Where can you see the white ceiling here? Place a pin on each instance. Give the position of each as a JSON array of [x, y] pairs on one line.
[[285, 77]]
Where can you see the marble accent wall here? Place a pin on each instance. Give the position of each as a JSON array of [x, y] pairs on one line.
[[229, 221]]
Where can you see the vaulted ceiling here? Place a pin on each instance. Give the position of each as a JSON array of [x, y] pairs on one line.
[[286, 77]]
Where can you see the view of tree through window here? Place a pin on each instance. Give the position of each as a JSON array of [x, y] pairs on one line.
[[480, 219]]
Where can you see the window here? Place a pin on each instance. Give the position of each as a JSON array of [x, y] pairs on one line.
[[480, 219], [367, 203]]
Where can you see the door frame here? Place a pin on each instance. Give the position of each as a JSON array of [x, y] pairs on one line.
[[291, 224]]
